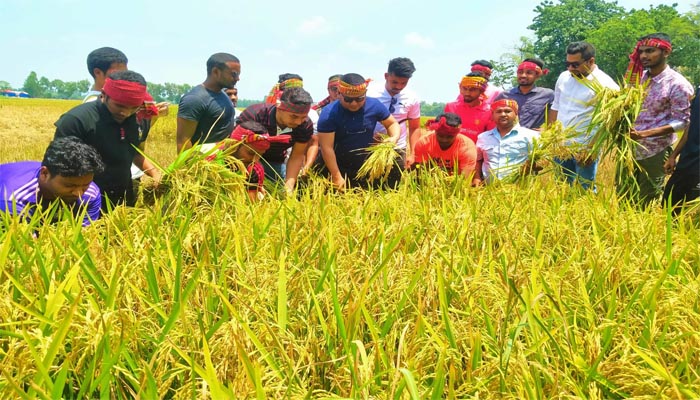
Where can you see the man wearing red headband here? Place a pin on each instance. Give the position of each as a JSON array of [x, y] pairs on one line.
[[445, 147], [475, 114], [485, 68], [504, 149], [666, 110], [290, 116], [533, 101], [110, 126], [205, 113]]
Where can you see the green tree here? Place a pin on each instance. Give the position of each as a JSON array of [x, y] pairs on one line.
[[31, 85], [4, 85]]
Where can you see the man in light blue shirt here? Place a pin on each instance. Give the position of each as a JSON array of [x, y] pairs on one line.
[[501, 151]]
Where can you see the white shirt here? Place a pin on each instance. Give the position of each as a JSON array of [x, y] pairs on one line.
[[407, 106], [571, 100]]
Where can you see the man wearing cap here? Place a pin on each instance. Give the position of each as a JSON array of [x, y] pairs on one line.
[[485, 69], [505, 148], [110, 126], [402, 103], [346, 129], [474, 113], [665, 111], [333, 95], [65, 175], [533, 101], [445, 147], [205, 113], [291, 116]]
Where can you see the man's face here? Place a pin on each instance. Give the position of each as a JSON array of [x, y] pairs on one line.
[[229, 75], [504, 117], [526, 77], [120, 112], [286, 119], [652, 57], [394, 84], [246, 155], [351, 103], [115, 67], [233, 95], [67, 188], [470, 94], [333, 92], [445, 141], [577, 66]]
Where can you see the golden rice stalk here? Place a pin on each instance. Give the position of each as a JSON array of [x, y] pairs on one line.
[[382, 157]]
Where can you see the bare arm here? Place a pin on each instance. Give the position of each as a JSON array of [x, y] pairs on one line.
[[296, 160], [392, 129], [311, 153], [185, 131], [414, 134], [551, 116], [146, 165], [670, 164], [325, 141]]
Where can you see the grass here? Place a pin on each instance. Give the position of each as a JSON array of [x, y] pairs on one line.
[[436, 290]]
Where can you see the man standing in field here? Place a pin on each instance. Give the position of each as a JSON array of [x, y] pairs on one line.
[[110, 126], [485, 69], [346, 129], [445, 147], [205, 114], [403, 105], [504, 149], [474, 113], [533, 101], [291, 116], [665, 111], [65, 175], [571, 107]]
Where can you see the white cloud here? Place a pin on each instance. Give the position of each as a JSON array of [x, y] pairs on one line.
[[416, 39], [316, 25], [364, 47]]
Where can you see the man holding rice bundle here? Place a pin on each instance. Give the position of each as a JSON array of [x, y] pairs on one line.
[[572, 107], [346, 129], [666, 110]]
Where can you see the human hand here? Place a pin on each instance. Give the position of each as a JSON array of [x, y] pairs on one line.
[[163, 108], [410, 160], [670, 165]]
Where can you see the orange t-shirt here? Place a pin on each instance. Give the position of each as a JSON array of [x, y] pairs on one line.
[[461, 154]]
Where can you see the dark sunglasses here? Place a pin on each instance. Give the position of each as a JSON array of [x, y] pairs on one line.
[[355, 99]]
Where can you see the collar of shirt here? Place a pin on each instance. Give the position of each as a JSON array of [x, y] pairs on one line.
[[495, 133]]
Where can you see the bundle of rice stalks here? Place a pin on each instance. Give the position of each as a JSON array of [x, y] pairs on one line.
[[382, 158], [555, 142]]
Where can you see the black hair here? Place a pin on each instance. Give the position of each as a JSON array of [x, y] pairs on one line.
[[70, 157], [482, 63], [452, 119], [476, 73], [130, 76], [657, 35], [353, 79], [536, 61], [254, 126], [336, 76], [103, 58], [586, 49], [296, 95], [287, 76], [219, 61], [402, 67]]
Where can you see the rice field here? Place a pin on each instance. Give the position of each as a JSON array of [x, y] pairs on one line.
[[436, 290]]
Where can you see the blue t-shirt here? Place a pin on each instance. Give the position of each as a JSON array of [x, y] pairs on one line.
[[208, 109], [354, 131]]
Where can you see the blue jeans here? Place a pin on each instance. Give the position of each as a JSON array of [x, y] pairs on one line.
[[575, 172], [274, 172]]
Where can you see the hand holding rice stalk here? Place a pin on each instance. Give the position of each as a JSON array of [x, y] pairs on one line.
[[382, 158]]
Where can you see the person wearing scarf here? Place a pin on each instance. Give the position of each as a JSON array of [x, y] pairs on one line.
[[474, 113], [285, 81], [445, 147], [485, 69], [533, 101], [666, 110], [333, 82]]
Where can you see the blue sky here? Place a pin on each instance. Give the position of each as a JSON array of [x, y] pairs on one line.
[[170, 41]]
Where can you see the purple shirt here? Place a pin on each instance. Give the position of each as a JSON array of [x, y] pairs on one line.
[[667, 103], [19, 186]]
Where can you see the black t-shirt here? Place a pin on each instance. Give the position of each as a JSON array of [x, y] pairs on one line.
[[690, 153], [93, 124], [208, 109]]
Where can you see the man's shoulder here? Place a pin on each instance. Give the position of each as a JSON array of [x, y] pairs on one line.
[[15, 175]]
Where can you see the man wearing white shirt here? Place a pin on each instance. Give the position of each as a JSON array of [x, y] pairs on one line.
[[571, 107], [402, 103]]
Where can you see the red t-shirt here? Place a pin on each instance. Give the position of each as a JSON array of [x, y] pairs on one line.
[[475, 120], [462, 152]]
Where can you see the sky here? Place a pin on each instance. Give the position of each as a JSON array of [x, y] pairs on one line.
[[171, 41]]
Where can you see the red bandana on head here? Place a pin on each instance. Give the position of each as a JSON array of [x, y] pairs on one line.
[[149, 110], [258, 142], [130, 94], [531, 66], [635, 67], [481, 68], [505, 103], [294, 108], [442, 128]]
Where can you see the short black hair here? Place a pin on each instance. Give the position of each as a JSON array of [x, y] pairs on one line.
[[586, 49], [402, 67], [334, 77], [254, 126], [288, 76], [70, 157], [657, 35], [353, 79], [482, 63], [103, 58], [219, 60], [297, 95], [452, 119], [477, 73], [536, 61], [130, 76]]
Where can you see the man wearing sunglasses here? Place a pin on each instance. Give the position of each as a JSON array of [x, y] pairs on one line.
[[571, 107], [205, 114], [346, 129]]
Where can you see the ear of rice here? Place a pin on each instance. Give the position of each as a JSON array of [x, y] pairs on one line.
[[382, 157]]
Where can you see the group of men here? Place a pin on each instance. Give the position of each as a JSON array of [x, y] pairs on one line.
[[485, 135]]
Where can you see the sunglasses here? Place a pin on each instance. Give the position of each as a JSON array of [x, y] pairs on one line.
[[575, 64], [355, 99]]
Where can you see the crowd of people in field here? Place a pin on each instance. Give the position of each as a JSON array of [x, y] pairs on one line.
[[484, 135]]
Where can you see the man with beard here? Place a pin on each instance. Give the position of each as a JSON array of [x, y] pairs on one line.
[[532, 100], [474, 112], [445, 147]]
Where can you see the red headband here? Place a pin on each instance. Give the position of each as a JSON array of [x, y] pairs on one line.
[[149, 110], [130, 94], [529, 65], [294, 108], [481, 68], [442, 128], [505, 103], [635, 67], [258, 142]]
